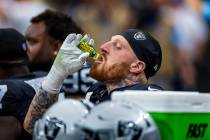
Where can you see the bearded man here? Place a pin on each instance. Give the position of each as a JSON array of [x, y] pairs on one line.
[[126, 63]]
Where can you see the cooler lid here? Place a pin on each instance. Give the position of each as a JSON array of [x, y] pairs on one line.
[[166, 101]]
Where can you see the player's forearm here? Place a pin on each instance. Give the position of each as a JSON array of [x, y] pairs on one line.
[[40, 103], [68, 61]]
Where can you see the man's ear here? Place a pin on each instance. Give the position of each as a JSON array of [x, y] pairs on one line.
[[137, 67], [56, 44]]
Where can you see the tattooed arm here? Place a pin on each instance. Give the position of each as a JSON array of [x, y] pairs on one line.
[[68, 61], [40, 103]]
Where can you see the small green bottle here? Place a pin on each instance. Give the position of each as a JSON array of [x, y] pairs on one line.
[[85, 47]]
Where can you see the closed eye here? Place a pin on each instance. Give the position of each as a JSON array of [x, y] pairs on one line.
[[117, 45]]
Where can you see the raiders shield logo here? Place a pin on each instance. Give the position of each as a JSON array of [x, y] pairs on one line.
[[139, 36]]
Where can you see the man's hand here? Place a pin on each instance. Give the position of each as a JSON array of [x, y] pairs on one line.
[[69, 60]]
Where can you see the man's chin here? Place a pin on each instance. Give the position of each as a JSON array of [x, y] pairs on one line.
[[99, 73], [114, 72], [96, 74]]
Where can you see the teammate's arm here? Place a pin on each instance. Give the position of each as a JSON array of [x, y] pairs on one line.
[[40, 103], [68, 61]]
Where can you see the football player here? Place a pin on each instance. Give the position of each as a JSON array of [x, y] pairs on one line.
[[126, 63]]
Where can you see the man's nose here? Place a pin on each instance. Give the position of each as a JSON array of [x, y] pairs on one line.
[[105, 48]]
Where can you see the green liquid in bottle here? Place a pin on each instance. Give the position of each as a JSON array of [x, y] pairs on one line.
[[85, 47]]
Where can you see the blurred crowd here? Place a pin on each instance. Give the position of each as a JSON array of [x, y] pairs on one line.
[[181, 27], [31, 35]]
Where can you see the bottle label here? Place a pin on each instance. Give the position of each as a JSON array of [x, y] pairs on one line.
[[85, 47]]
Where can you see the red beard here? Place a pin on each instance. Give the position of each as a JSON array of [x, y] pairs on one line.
[[115, 72]]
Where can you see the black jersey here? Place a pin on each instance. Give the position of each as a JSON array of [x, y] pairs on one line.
[[78, 83], [17, 94], [98, 92]]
